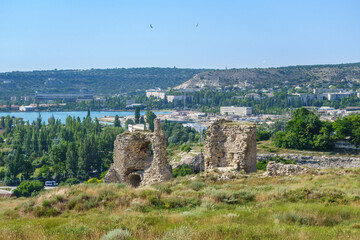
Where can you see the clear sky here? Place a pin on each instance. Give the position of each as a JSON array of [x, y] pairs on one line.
[[83, 34]]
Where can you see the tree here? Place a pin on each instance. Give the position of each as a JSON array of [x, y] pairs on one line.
[[305, 131], [28, 188], [137, 115], [150, 117], [127, 122], [72, 160], [117, 121]]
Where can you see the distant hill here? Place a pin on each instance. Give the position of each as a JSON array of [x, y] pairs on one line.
[[267, 77], [99, 81]]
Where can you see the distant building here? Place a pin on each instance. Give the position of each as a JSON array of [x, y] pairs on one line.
[[337, 96], [128, 102], [14, 107], [240, 111], [137, 127], [25, 98], [48, 97], [135, 105], [13, 98], [171, 98], [254, 96], [156, 93], [29, 108]]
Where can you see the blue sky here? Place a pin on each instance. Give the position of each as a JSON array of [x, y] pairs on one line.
[[79, 34]]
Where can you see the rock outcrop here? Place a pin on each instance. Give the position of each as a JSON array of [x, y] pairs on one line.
[[278, 169], [134, 164], [195, 161], [230, 145]]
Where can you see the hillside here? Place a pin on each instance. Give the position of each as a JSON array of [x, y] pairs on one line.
[[320, 206], [99, 81], [268, 77]]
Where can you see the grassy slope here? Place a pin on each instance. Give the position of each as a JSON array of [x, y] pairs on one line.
[[325, 206]]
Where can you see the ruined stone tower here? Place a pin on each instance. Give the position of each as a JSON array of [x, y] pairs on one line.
[[134, 164], [230, 145]]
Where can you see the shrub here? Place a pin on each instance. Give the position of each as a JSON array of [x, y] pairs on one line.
[[181, 233], [45, 212], [263, 163], [263, 135], [230, 197], [196, 186], [152, 196], [103, 174], [117, 234], [70, 182], [183, 171], [94, 180], [185, 148], [28, 188]]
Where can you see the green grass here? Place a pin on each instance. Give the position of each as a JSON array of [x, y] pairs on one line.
[[323, 206]]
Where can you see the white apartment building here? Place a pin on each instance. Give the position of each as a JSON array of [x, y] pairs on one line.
[[171, 98], [336, 96], [156, 93], [26, 108], [240, 111]]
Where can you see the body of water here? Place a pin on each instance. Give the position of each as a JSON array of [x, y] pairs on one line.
[[32, 116]]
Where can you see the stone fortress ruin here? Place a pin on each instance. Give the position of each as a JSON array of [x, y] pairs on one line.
[[134, 164], [229, 146]]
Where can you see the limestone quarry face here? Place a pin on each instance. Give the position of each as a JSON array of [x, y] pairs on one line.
[[230, 145], [134, 164]]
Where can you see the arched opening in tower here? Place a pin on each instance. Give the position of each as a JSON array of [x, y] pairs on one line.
[[135, 180]]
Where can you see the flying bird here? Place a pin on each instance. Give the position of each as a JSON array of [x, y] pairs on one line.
[[151, 26], [197, 25]]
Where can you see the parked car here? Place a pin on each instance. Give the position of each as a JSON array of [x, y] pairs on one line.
[[50, 184]]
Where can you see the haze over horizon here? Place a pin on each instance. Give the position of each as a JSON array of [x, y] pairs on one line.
[[43, 35]]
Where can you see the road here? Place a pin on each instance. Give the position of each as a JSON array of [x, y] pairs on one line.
[[4, 189]]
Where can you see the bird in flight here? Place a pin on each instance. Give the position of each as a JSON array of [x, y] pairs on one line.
[[151, 26], [197, 25]]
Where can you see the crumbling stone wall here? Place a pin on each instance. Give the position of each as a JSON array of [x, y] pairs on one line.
[[133, 162], [279, 169], [232, 145]]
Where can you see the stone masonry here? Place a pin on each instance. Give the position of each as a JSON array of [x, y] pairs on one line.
[[230, 145], [133, 162]]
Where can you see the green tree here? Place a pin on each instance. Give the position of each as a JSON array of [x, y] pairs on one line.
[[117, 121], [72, 159], [150, 117], [137, 115]]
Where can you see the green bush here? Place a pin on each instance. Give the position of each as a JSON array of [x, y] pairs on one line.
[[263, 163], [183, 171], [196, 186], [28, 188], [152, 196], [70, 182], [263, 135], [94, 180], [185, 148], [45, 212]]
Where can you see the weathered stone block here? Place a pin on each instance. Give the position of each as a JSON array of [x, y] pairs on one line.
[[232, 145]]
